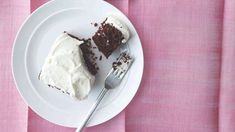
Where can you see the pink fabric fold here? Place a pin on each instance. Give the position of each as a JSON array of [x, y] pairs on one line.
[[227, 86], [13, 111], [189, 76]]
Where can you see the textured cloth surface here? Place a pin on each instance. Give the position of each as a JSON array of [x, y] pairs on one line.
[[189, 76], [13, 111]]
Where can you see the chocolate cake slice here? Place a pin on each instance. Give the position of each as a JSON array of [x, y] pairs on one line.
[[68, 66], [110, 35], [88, 55]]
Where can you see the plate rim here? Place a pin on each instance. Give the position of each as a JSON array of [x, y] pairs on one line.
[[13, 67]]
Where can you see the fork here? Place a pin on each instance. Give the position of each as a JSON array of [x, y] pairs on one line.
[[112, 80]]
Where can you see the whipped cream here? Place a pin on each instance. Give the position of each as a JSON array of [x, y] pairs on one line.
[[64, 68], [120, 26]]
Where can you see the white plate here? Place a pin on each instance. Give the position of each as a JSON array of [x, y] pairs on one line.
[[33, 42]]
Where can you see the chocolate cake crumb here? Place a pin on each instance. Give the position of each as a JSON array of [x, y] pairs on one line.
[[122, 59], [95, 24], [100, 58], [107, 38], [94, 58], [57, 88], [116, 64], [119, 63]]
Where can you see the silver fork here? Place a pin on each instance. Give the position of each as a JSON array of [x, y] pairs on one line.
[[112, 80]]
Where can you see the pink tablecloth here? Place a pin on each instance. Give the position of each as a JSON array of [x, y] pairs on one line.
[[189, 76]]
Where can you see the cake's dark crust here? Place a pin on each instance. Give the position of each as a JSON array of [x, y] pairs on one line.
[[58, 89], [39, 75], [107, 38], [88, 55], [89, 58], [85, 40]]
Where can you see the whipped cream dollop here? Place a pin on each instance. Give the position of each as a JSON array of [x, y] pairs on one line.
[[64, 68], [120, 26]]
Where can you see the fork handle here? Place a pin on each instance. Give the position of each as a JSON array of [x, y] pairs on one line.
[[92, 110]]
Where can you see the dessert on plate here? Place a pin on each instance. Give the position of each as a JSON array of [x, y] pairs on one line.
[[65, 67], [110, 35], [70, 65]]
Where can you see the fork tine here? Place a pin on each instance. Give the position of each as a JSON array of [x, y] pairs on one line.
[[121, 75], [112, 71], [116, 71]]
